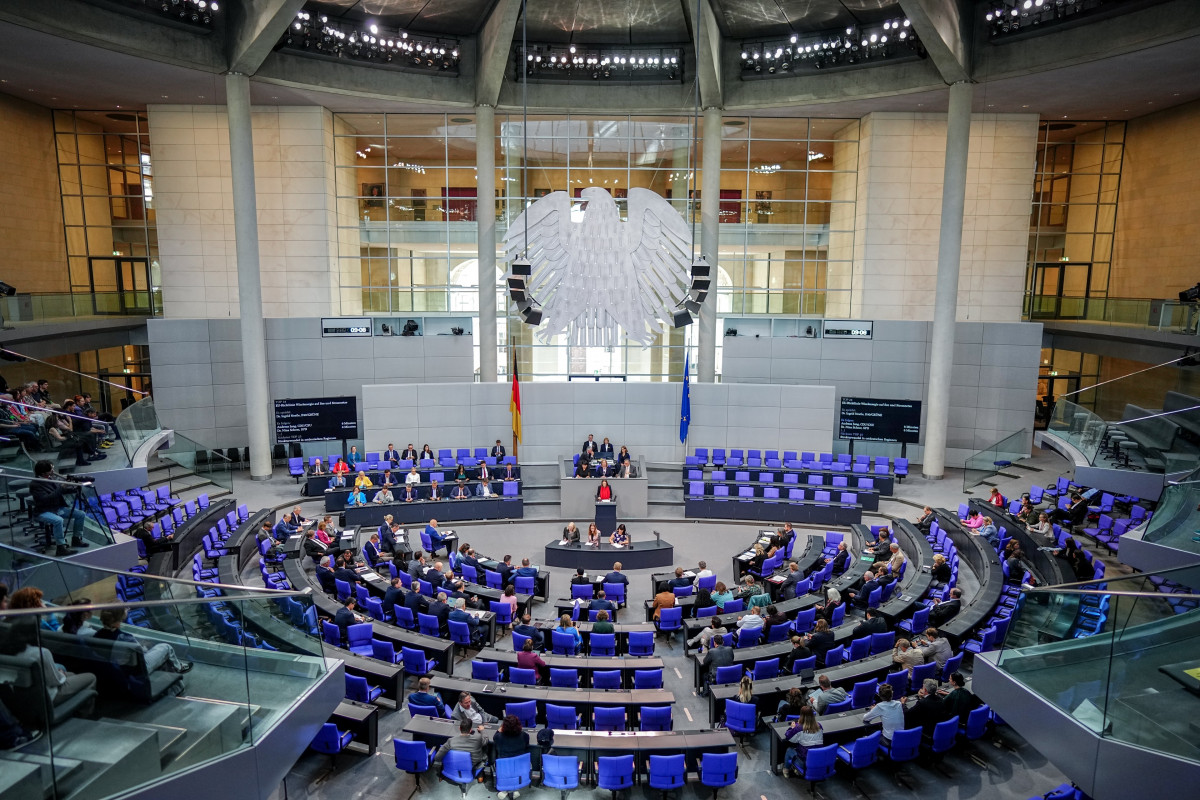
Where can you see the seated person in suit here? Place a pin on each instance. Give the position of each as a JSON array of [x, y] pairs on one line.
[[484, 489], [460, 473], [384, 495], [606, 449], [459, 492], [874, 623], [144, 533], [427, 452], [316, 468], [624, 463], [357, 498], [841, 560], [361, 481], [374, 552], [527, 628], [485, 474], [925, 521], [943, 612], [604, 469], [392, 455], [570, 534], [590, 447], [525, 570], [460, 614], [593, 535], [285, 527], [387, 479], [603, 623], [353, 458], [425, 695], [619, 537], [413, 477], [314, 548], [325, 576], [583, 469], [390, 535], [509, 473], [871, 582], [604, 491], [436, 540], [498, 450], [409, 453], [340, 468], [435, 491], [410, 493], [580, 577], [600, 603], [338, 481], [680, 580], [616, 576]]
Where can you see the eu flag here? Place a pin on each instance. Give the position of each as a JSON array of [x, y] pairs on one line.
[[685, 402]]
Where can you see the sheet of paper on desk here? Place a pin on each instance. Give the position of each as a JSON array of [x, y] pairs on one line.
[[775, 579], [689, 574], [745, 556], [369, 575]]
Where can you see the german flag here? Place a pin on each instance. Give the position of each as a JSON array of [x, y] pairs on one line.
[[514, 404]]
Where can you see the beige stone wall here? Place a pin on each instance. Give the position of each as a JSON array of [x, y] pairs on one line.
[[1158, 216], [31, 225], [293, 150], [901, 164]]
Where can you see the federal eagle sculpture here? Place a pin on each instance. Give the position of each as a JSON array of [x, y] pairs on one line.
[[594, 276]]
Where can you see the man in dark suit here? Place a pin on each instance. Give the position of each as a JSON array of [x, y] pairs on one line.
[[393, 595], [390, 537], [374, 553], [436, 540], [439, 608], [943, 612], [459, 614], [721, 655], [344, 573], [498, 450], [314, 548], [601, 603], [871, 582], [435, 491], [841, 560], [580, 577], [416, 603], [590, 447], [345, 617], [459, 492], [325, 576], [680, 580], [616, 576], [872, 624], [506, 570], [409, 453], [527, 628], [434, 576], [391, 454], [928, 710], [787, 589], [525, 570]]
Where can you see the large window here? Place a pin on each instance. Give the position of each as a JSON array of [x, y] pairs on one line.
[[1078, 176], [408, 208], [107, 185]]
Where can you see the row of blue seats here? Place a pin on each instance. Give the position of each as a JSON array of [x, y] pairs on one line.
[[444, 458], [721, 491], [768, 458], [786, 478]]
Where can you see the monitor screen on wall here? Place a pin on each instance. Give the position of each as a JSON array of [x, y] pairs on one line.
[[873, 419], [317, 419]]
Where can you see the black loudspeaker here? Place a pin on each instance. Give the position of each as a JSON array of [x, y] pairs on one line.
[[680, 318]]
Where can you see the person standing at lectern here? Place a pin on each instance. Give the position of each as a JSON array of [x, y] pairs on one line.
[[605, 492]]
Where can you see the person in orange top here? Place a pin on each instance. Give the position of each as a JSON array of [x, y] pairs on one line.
[[663, 600]]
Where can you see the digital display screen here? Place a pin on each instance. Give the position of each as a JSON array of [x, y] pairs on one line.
[[870, 419], [847, 329], [318, 419], [345, 326]]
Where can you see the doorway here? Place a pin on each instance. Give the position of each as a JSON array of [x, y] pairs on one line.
[[1060, 290], [120, 285]]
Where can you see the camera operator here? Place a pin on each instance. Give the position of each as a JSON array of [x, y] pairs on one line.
[[52, 506]]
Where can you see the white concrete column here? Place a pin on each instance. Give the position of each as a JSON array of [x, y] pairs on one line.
[[945, 303], [710, 219], [245, 226], [485, 220]]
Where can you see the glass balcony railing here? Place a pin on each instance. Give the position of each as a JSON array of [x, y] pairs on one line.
[[1177, 518], [150, 676], [137, 424], [82, 516], [1138, 312], [1079, 427], [48, 307], [1121, 657], [989, 461]]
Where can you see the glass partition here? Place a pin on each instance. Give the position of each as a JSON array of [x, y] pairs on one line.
[[1176, 518], [136, 424], [988, 462], [1122, 657], [195, 458], [81, 513], [1079, 427], [120, 679]]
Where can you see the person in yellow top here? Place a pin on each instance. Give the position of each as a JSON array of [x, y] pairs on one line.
[[362, 481]]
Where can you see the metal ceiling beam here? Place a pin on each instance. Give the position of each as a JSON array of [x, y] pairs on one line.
[[253, 30], [945, 30], [495, 45], [706, 41]]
